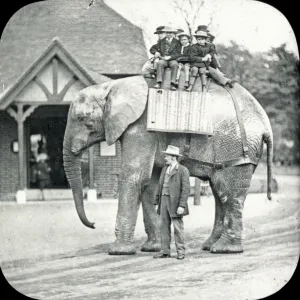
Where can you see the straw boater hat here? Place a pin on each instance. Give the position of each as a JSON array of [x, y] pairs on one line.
[[172, 150], [169, 29], [201, 33], [184, 34], [159, 29]]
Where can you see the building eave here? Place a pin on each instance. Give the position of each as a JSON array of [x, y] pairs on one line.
[[55, 48]]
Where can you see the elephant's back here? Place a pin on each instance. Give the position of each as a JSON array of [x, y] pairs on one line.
[[227, 134], [223, 109]]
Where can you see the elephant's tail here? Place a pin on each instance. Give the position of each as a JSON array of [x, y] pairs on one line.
[[268, 139]]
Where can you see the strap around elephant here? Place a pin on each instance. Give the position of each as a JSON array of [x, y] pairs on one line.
[[225, 164], [241, 123]]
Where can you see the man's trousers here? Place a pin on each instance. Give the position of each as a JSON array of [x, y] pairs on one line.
[[165, 228], [218, 76], [160, 68], [215, 74]]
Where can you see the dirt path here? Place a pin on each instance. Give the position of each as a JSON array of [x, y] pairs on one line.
[[86, 271]]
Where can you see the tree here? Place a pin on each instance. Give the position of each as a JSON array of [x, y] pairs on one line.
[[273, 79], [189, 10]]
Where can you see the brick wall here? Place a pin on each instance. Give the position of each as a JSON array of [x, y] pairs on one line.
[[106, 167], [9, 160], [106, 171]]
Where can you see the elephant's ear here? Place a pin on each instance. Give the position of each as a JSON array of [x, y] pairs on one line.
[[126, 102]]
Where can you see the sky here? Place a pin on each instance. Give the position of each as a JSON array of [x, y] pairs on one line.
[[254, 25]]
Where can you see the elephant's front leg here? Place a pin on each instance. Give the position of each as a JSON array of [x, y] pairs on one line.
[[233, 186], [128, 206], [138, 152], [151, 220]]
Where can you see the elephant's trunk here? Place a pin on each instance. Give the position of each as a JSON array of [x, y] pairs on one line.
[[72, 166]]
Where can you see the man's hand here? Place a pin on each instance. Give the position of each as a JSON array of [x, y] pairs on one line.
[[207, 57], [180, 210], [166, 57], [157, 54]]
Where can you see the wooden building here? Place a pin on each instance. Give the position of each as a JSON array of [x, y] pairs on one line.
[[50, 50]]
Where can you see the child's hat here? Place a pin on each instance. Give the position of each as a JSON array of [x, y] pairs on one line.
[[211, 36], [202, 28], [184, 34], [201, 33]]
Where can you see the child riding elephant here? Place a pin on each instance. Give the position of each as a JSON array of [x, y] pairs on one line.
[[184, 59], [201, 55]]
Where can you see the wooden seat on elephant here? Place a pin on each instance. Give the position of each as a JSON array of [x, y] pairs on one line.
[[179, 111]]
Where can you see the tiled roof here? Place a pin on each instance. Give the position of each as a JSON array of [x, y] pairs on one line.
[[101, 40], [56, 49]]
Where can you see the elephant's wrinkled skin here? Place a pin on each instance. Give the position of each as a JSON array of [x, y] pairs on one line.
[[116, 110]]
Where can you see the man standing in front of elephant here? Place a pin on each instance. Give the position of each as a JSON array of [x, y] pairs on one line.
[[171, 197]]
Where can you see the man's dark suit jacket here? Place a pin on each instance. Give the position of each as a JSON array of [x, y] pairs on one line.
[[214, 63], [179, 188], [174, 50]]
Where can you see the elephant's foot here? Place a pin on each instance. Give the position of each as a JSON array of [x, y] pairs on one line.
[[122, 248], [227, 245], [151, 246], [209, 242]]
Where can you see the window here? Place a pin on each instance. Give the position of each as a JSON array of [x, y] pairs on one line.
[[106, 150]]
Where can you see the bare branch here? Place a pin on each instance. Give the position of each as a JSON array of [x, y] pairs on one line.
[[189, 10]]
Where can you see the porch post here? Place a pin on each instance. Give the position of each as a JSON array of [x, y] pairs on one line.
[[92, 192], [21, 194], [20, 117]]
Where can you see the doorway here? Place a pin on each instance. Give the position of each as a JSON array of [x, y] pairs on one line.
[[45, 135]]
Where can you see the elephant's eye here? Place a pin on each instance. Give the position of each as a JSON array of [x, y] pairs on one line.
[[90, 126]]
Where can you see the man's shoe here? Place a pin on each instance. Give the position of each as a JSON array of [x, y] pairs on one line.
[[173, 86], [230, 83], [158, 85], [177, 82], [180, 256], [162, 255], [186, 85], [189, 89]]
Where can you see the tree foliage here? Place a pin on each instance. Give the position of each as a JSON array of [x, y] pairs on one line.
[[273, 79]]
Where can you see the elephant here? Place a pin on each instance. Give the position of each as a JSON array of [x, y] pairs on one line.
[[117, 111]]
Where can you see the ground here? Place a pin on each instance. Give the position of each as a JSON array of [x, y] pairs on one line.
[[46, 253]]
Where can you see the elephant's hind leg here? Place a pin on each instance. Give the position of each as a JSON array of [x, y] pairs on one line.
[[151, 220], [218, 224], [232, 186]]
